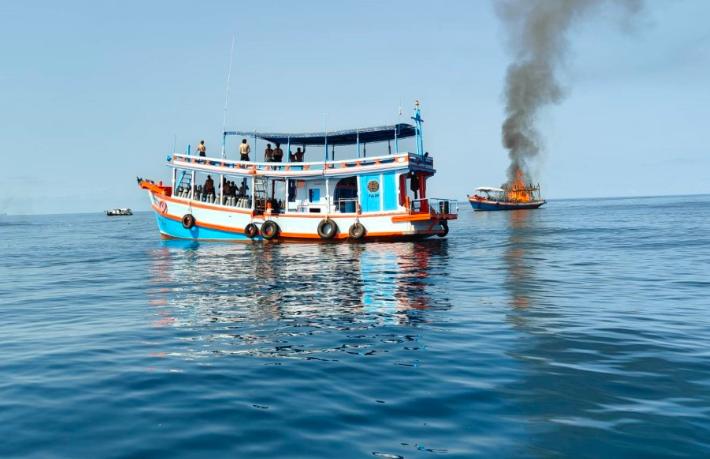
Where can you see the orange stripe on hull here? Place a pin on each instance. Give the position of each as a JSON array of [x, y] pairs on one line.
[[304, 236]]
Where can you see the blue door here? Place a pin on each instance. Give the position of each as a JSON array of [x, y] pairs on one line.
[[389, 190], [370, 193]]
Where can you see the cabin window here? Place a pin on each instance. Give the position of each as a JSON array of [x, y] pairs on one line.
[[313, 194]]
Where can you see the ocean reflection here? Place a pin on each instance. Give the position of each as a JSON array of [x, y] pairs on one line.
[[520, 271], [262, 298]]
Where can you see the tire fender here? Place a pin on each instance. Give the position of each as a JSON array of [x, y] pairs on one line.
[[357, 231], [251, 231], [188, 221], [327, 229], [444, 224], [270, 230]]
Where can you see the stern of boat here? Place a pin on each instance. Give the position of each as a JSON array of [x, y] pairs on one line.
[[430, 216]]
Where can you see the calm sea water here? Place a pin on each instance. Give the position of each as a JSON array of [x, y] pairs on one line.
[[578, 330]]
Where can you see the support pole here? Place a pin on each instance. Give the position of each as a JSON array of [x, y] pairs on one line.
[[253, 192], [396, 139], [418, 122], [357, 137]]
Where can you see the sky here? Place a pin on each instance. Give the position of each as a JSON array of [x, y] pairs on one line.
[[93, 94]]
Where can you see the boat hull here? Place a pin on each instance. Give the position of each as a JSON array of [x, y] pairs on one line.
[[220, 223], [487, 205]]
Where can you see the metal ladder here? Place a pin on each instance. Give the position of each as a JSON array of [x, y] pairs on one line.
[[185, 182], [260, 194]]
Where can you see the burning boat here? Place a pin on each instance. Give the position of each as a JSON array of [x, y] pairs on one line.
[[512, 196]]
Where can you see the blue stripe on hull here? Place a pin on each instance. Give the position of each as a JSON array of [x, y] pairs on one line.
[[479, 205], [175, 229]]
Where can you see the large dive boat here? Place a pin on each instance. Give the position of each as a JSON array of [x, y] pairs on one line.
[[380, 197]]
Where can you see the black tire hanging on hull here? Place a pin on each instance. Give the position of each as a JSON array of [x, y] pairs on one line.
[[327, 229], [188, 221], [270, 230], [357, 231], [251, 231], [444, 224]]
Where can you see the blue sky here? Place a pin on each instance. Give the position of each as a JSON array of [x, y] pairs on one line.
[[95, 93]]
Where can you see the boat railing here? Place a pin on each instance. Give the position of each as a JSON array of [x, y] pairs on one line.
[[180, 159], [346, 205], [435, 206], [239, 201]]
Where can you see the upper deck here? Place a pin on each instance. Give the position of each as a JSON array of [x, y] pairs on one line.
[[419, 162], [304, 170]]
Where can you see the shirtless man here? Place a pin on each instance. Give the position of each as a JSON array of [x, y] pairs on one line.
[[244, 150], [268, 153], [201, 148], [278, 153]]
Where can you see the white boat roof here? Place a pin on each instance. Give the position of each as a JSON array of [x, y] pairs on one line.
[[488, 188]]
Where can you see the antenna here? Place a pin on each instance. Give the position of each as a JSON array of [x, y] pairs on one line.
[[226, 97]]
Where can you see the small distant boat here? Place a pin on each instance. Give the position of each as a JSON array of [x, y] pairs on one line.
[[519, 197], [120, 212]]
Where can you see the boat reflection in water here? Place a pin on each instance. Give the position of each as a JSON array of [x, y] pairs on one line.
[[271, 300], [518, 259]]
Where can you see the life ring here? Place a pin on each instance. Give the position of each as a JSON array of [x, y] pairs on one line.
[[270, 230], [327, 229], [357, 231], [251, 230], [188, 221], [444, 224]]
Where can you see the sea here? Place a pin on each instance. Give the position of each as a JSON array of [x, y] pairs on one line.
[[581, 329]]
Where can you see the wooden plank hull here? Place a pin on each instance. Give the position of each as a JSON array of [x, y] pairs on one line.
[[487, 205]]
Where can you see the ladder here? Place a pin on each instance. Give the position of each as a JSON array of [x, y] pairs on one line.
[[184, 183], [260, 194]]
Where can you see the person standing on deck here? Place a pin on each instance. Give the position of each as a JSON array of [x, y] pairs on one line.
[[209, 186], [278, 154], [201, 148], [243, 189], [268, 153], [414, 184], [244, 150], [298, 156]]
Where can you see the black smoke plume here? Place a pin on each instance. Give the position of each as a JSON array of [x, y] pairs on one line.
[[537, 33]]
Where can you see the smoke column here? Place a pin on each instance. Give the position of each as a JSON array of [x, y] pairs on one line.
[[537, 32]]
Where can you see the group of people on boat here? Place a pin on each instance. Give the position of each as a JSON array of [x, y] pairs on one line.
[[207, 192], [271, 155], [230, 188]]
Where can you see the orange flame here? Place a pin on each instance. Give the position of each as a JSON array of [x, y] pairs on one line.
[[517, 191]]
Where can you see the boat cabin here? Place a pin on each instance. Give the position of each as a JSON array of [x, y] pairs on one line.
[[490, 193]]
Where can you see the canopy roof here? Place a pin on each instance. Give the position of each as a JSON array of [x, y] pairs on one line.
[[489, 188], [347, 137]]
